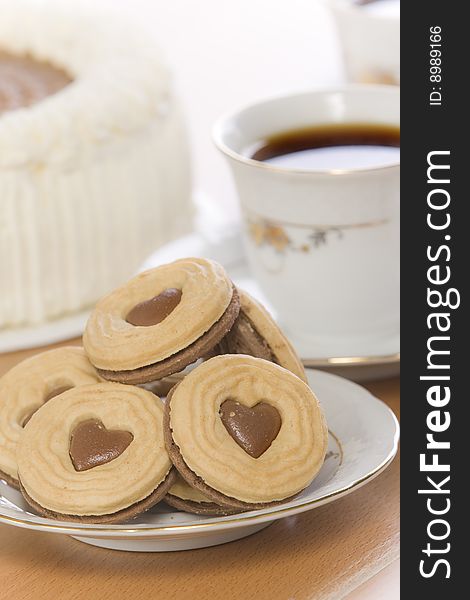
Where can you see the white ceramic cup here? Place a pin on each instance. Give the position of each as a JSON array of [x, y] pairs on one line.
[[370, 38], [323, 245]]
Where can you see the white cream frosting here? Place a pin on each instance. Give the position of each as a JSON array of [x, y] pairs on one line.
[[94, 177]]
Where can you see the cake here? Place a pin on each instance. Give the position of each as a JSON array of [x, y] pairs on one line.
[[94, 169]]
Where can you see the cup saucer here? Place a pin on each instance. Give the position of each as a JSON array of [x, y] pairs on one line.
[[365, 362]]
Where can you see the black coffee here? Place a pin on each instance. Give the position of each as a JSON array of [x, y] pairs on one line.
[[330, 147]]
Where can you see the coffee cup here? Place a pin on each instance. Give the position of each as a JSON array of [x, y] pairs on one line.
[[370, 37], [323, 244]]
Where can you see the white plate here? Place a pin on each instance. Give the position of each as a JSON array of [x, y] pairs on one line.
[[32, 336], [363, 440], [377, 361]]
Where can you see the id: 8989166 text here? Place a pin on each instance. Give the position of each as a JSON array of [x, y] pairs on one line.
[[435, 65]]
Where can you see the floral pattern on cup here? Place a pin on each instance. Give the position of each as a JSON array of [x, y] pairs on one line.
[[265, 232]]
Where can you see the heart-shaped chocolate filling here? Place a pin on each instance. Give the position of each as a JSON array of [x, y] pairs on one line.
[[254, 429], [155, 310], [91, 444]]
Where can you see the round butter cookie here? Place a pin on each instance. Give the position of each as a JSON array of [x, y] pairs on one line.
[[188, 499], [30, 384], [257, 334], [95, 455], [245, 432], [161, 321]]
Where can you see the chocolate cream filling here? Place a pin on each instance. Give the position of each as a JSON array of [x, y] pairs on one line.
[[91, 444], [155, 310], [253, 429], [244, 338]]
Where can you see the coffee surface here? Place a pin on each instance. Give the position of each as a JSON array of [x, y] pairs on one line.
[[25, 81], [330, 147]]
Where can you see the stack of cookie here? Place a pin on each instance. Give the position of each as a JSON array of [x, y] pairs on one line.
[[85, 437]]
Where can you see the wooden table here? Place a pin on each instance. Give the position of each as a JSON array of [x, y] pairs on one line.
[[322, 554]]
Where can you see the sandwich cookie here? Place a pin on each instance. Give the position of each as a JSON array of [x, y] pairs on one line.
[[257, 334], [161, 321], [95, 455], [30, 384], [245, 432], [188, 499]]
